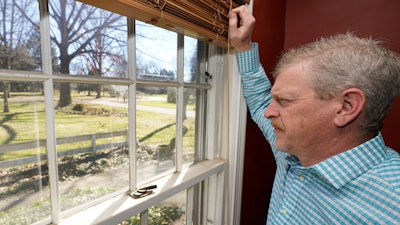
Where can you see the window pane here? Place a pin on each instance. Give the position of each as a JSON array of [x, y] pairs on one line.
[[24, 189], [91, 144], [193, 124], [194, 55], [156, 131], [20, 35], [170, 211], [156, 51], [87, 40]]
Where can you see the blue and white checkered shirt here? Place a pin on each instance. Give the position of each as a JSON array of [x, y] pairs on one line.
[[359, 186]]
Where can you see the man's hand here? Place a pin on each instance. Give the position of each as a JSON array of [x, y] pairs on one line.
[[241, 23]]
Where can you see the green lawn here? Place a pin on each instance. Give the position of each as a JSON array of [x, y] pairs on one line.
[[26, 122]]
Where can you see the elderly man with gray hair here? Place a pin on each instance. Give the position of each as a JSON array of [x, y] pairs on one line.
[[322, 118]]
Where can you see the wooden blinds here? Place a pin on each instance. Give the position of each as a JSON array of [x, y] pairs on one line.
[[206, 20]]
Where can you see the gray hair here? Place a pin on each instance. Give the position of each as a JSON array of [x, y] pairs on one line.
[[346, 61]]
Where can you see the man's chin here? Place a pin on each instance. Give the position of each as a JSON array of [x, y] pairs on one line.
[[281, 145], [281, 148]]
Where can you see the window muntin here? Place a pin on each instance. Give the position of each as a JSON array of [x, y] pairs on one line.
[[79, 83], [19, 36]]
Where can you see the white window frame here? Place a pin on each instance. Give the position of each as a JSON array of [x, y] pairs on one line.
[[221, 170]]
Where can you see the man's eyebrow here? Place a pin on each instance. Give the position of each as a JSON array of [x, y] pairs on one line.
[[283, 95]]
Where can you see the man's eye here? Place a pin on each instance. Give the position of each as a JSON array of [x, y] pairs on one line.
[[283, 101]]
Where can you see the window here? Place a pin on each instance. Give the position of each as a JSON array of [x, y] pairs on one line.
[[96, 105]]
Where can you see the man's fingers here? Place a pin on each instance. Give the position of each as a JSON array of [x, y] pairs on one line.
[[241, 24], [240, 16], [233, 20]]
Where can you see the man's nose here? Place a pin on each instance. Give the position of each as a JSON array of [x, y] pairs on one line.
[[271, 111]]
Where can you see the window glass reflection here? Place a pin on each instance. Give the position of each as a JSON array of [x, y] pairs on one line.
[[156, 51], [92, 145], [156, 131], [24, 181], [193, 124], [194, 55]]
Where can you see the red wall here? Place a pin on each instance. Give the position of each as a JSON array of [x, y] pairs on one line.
[[380, 19], [282, 24], [259, 164]]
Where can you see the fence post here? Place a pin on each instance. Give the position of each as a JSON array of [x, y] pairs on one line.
[[126, 139], [93, 144]]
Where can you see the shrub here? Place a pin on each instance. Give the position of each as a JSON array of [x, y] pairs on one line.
[[78, 107], [158, 216]]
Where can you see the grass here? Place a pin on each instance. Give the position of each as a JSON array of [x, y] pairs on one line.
[[156, 101], [161, 102], [26, 122], [26, 126], [40, 210], [158, 215]]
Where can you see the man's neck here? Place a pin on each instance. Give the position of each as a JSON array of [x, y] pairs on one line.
[[330, 148]]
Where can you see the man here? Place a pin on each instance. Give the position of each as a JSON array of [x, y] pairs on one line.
[[322, 119]]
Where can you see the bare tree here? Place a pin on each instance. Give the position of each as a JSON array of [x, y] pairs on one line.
[[78, 31], [74, 31], [105, 54], [14, 42]]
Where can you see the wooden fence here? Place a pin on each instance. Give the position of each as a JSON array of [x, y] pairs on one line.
[[66, 140]]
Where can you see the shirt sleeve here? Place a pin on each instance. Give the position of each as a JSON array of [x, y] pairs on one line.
[[256, 89]]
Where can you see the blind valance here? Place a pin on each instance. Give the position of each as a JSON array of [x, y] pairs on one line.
[[206, 20]]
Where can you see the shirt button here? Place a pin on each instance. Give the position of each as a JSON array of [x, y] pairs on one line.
[[284, 211], [301, 178]]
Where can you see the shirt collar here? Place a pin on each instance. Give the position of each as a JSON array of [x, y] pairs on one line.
[[347, 166]]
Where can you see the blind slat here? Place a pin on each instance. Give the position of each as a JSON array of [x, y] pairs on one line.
[[206, 20]]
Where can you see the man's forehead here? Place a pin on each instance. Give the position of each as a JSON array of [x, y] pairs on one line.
[[293, 80], [286, 89]]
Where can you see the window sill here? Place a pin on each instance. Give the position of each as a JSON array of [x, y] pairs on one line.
[[123, 207]]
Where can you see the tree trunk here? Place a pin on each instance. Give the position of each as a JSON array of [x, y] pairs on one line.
[[5, 96], [98, 91], [65, 88], [65, 95]]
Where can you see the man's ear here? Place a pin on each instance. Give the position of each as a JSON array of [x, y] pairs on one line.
[[351, 103]]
